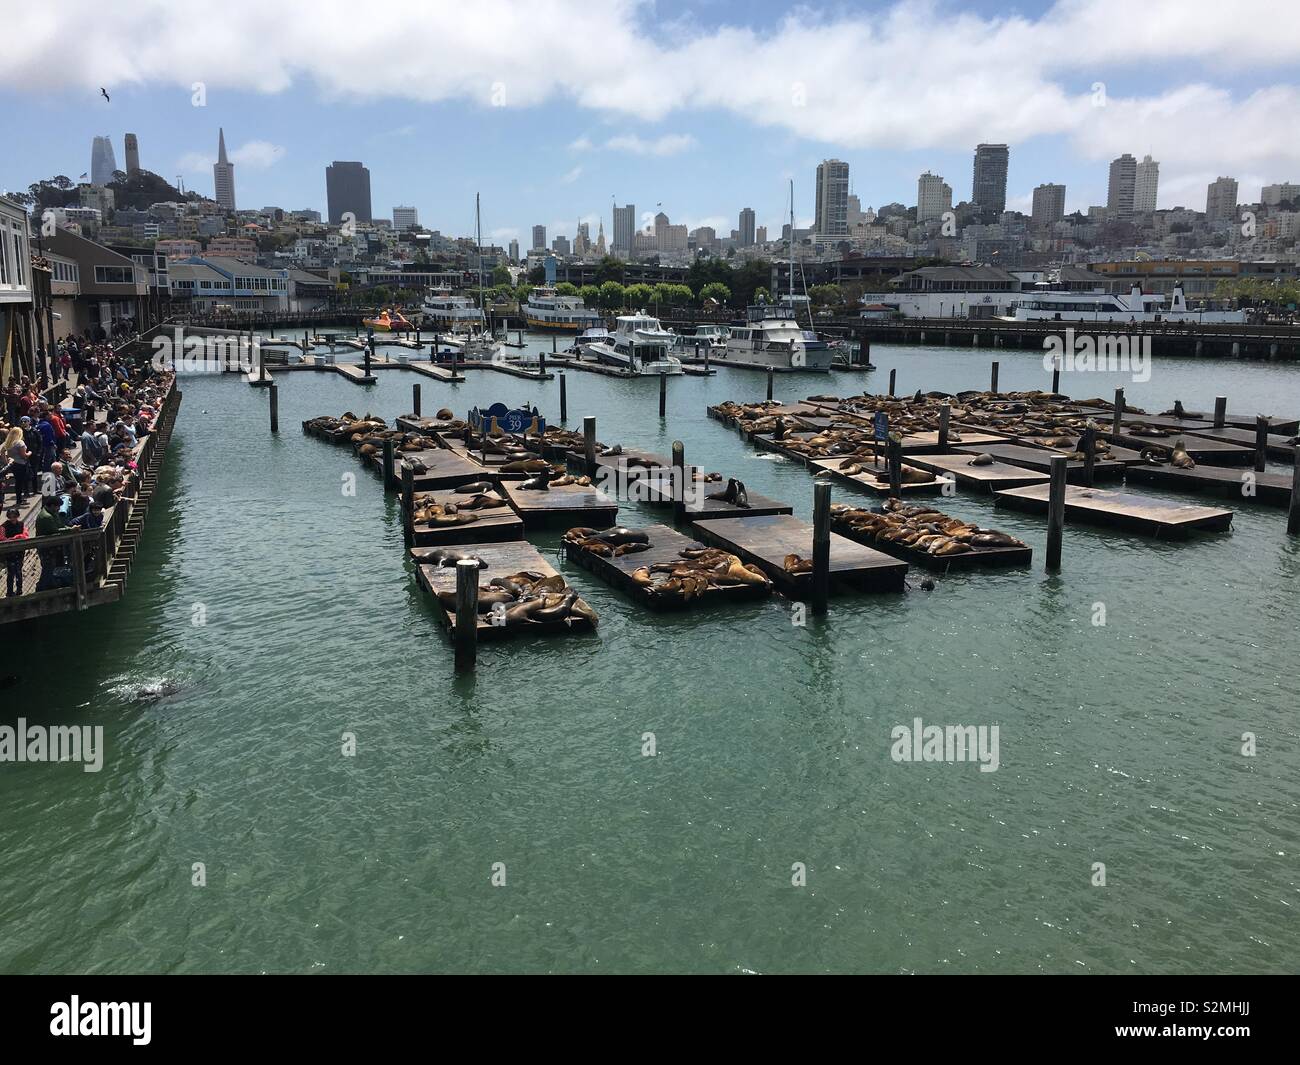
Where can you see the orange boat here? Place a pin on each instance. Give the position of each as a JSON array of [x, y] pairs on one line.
[[387, 322]]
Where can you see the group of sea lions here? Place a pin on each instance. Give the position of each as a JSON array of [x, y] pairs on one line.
[[1177, 456], [429, 511], [685, 578], [522, 599], [734, 493], [614, 541], [920, 527]]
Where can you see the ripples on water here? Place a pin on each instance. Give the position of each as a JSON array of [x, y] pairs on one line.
[[1119, 744]]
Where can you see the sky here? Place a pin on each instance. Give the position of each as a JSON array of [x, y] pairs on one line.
[[553, 110]]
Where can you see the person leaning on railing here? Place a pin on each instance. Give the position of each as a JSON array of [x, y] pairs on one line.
[[17, 459], [13, 529], [53, 559]]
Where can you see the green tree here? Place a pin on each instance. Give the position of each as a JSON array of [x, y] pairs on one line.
[[522, 292], [611, 295], [747, 280], [826, 295], [590, 295], [500, 275], [638, 296], [566, 288], [680, 296], [610, 269], [537, 275], [715, 290]]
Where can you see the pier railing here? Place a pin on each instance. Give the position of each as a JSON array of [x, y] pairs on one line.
[[99, 559]]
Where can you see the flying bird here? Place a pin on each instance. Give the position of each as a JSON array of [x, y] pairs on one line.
[[104, 93]]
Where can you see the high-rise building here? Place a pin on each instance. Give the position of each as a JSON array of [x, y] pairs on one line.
[[989, 179], [1273, 195], [582, 240], [539, 238], [1221, 200], [1119, 192], [514, 251], [406, 218], [132, 154], [560, 245], [624, 227], [832, 198], [223, 175], [1049, 204], [933, 197], [347, 188], [102, 161], [760, 235], [1146, 185], [746, 226]]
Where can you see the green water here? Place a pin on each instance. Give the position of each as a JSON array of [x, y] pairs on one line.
[[1118, 744]]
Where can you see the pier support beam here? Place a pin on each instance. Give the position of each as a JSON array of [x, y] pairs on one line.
[[770, 374], [466, 614], [589, 444], [945, 412], [1056, 375], [274, 391], [1220, 411], [415, 398], [388, 462], [541, 364], [564, 399], [1056, 513], [895, 451], [821, 546], [1117, 420], [993, 378], [408, 504], [893, 376], [663, 395], [1293, 511], [679, 481], [1088, 444], [1261, 442]]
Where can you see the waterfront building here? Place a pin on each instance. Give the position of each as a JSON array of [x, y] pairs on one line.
[[102, 161], [1049, 204], [1119, 193], [347, 189], [989, 177], [1146, 185], [223, 175], [233, 247], [832, 198], [210, 281], [1221, 200], [746, 226], [933, 197]]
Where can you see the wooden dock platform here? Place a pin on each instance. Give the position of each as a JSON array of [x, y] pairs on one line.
[[1202, 449], [988, 478], [1276, 446], [631, 463], [766, 540], [658, 491], [503, 560], [568, 505], [1271, 489], [1040, 460], [444, 469], [438, 373], [957, 438], [666, 546], [981, 556], [868, 482], [495, 525], [1125, 510], [354, 373]]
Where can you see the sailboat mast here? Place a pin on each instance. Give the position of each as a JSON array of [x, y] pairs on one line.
[[792, 242], [478, 230]]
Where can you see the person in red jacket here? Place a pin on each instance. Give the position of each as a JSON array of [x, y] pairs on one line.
[[13, 529]]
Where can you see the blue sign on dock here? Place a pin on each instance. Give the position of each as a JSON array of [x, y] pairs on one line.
[[881, 425], [508, 421]]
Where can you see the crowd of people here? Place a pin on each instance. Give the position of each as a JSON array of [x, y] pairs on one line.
[[80, 460]]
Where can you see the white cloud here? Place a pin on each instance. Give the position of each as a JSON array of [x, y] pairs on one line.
[[917, 75], [256, 155], [668, 144], [582, 144], [571, 176]]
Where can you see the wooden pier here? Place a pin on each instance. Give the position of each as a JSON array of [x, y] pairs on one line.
[[1098, 506], [443, 469], [876, 479], [1202, 449], [766, 540], [1039, 459], [666, 546], [842, 524], [658, 491], [503, 560], [988, 478], [1276, 446], [567, 505], [1271, 489], [492, 525]]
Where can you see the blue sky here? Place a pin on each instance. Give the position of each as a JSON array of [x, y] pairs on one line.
[[701, 107]]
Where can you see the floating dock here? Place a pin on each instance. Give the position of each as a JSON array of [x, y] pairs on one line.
[[568, 505], [868, 482], [979, 556], [1040, 459], [658, 491], [1276, 446], [444, 469], [1125, 510], [493, 525], [503, 560], [1271, 489], [1202, 449], [766, 540], [666, 546], [354, 373], [990, 478]]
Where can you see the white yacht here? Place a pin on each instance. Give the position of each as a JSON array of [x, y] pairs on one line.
[[639, 345], [714, 337], [772, 337], [1137, 306], [454, 314], [597, 334], [547, 309]]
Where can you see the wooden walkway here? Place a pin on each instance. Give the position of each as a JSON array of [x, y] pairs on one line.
[[503, 560], [443, 470], [494, 525], [1124, 510], [870, 479], [766, 540], [979, 556], [1203, 450], [666, 546], [1040, 459], [1276, 446], [568, 505], [1271, 489], [988, 478], [658, 491]]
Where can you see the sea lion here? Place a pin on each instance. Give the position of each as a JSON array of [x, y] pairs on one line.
[[1180, 459], [794, 564], [444, 415], [609, 452], [526, 466], [1151, 457], [616, 535], [630, 549], [445, 556], [735, 494], [474, 488], [540, 483], [984, 459]]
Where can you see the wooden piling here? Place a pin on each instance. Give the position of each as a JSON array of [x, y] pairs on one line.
[[663, 394], [589, 444], [275, 407], [408, 503], [993, 379], [564, 398], [893, 376], [821, 546], [1056, 376], [1293, 511], [554, 349], [679, 481], [770, 373], [1056, 513], [895, 468], [415, 399], [1220, 411], [541, 364], [945, 412], [1261, 442], [466, 614], [1118, 420], [388, 462], [1088, 442]]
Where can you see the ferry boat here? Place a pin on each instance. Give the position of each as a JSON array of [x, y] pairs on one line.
[[772, 337], [640, 345], [1137, 306], [454, 314], [547, 309]]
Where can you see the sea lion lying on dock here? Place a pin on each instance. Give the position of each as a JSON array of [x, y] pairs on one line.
[[921, 528], [525, 466], [984, 459], [734, 494], [795, 565], [445, 556], [540, 483], [526, 598], [444, 414], [698, 570], [474, 488]]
